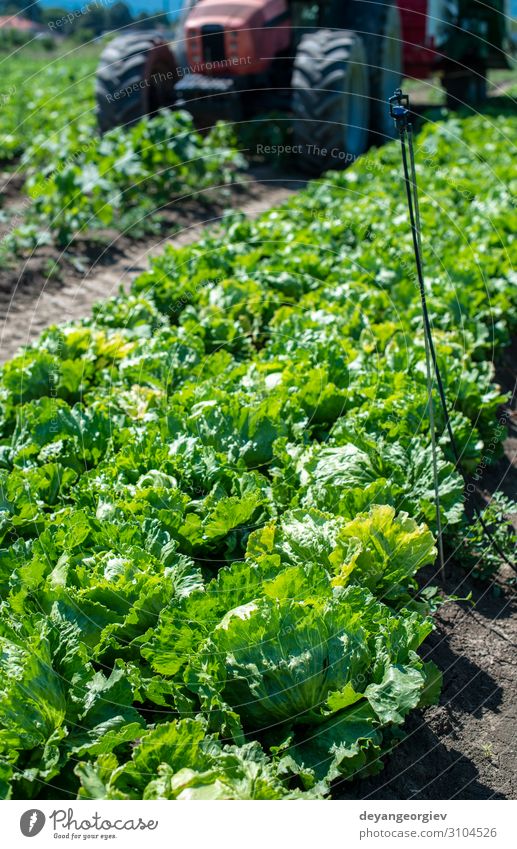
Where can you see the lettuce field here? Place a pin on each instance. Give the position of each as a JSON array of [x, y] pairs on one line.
[[217, 491], [77, 183]]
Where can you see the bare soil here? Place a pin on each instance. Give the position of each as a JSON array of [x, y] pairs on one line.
[[11, 184]]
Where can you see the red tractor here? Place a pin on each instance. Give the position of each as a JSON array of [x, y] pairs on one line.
[[330, 65]]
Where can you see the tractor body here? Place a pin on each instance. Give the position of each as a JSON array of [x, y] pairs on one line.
[[240, 36]]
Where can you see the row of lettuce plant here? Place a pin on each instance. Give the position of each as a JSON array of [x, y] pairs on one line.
[[217, 491], [79, 183]]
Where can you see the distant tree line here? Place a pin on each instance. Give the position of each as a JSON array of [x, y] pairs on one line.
[[90, 19]]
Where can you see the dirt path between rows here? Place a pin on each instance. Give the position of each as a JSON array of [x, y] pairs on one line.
[[34, 296]]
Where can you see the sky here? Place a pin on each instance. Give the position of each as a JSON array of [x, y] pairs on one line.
[[151, 6], [136, 6]]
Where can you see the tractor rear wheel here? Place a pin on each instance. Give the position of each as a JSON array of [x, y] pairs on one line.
[[379, 26], [136, 77], [386, 62], [330, 99]]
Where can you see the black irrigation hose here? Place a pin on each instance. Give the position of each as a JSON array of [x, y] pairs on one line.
[[399, 111]]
